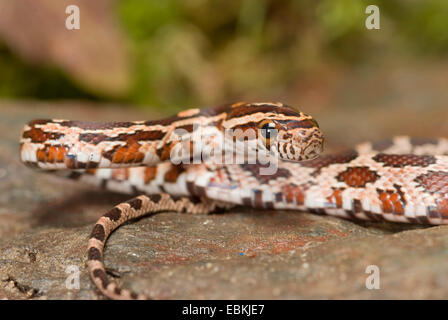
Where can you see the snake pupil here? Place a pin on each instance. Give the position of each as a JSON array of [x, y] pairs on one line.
[[268, 130]]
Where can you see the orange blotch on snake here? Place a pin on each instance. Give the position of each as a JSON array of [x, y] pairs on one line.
[[434, 182], [39, 136], [118, 155], [172, 174], [51, 153], [357, 177], [128, 154], [41, 155], [292, 191], [56, 154], [442, 208], [336, 197], [164, 153], [149, 174], [404, 160], [391, 202]]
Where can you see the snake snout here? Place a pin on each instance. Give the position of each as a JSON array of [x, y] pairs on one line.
[[313, 150], [316, 144]]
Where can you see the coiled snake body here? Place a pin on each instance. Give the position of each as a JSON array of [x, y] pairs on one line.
[[401, 180]]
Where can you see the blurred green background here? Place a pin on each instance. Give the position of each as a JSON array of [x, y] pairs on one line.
[[171, 54]]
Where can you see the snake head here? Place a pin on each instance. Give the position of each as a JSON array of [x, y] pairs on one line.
[[275, 128]]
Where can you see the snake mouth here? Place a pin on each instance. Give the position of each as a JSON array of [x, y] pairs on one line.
[[291, 152], [313, 151]]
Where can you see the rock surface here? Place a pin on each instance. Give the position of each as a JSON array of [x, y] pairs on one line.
[[243, 254]]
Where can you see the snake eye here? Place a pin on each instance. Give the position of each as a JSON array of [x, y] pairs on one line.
[[268, 130]]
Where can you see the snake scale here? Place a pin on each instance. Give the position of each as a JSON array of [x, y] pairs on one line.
[[403, 179]]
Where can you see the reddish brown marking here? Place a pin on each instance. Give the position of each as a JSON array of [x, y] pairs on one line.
[[186, 127], [87, 125], [291, 150], [98, 232], [404, 160], [325, 161], [357, 177], [265, 178], [292, 191], [135, 203], [114, 214], [110, 153], [93, 138], [294, 124], [41, 155], [39, 121], [70, 162], [247, 131], [130, 138], [392, 201], [199, 191], [442, 207], [248, 109], [258, 199], [38, 135], [125, 154], [172, 174], [149, 174], [94, 254], [336, 197], [164, 153], [155, 198], [51, 153], [100, 274], [142, 135], [287, 136], [434, 182], [357, 206]]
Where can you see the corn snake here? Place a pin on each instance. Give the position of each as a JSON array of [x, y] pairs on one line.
[[402, 180]]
